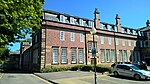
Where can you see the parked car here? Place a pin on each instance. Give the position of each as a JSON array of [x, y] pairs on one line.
[[130, 70], [120, 63]]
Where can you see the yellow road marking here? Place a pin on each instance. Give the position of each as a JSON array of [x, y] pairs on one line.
[[42, 79]]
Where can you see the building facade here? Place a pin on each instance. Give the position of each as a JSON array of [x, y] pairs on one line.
[[64, 39]]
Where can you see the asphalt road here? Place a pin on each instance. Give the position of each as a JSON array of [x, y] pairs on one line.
[[79, 77], [20, 78]]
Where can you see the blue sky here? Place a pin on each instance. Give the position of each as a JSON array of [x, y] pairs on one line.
[[133, 13]]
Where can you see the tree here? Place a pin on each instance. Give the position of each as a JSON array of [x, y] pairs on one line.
[[18, 18], [4, 53]]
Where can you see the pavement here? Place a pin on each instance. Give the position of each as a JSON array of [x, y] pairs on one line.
[[1, 75], [68, 77]]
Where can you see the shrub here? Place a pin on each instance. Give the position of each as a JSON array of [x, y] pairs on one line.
[[87, 68], [76, 67], [55, 69], [103, 68]]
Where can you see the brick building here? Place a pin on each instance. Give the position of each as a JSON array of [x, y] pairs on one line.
[[64, 39]]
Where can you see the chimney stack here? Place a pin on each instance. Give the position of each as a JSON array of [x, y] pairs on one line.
[[96, 19], [148, 23], [118, 23]]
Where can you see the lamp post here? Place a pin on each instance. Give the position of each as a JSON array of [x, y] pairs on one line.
[[93, 31]]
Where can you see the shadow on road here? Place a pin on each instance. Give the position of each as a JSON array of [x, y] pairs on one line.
[[128, 78]]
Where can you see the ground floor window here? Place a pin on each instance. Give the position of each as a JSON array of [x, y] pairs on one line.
[[108, 55], [55, 55], [125, 56], [81, 56], [73, 55], [64, 55], [120, 56], [103, 55], [113, 55]]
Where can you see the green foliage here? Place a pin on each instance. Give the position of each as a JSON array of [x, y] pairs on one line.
[[19, 17], [99, 68], [55, 69], [4, 53]]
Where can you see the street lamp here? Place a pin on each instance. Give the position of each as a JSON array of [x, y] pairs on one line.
[[93, 31]]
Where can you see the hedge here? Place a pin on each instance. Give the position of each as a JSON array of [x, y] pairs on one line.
[[99, 68]]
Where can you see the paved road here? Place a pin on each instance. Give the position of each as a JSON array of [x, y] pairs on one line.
[[18, 78], [78, 77]]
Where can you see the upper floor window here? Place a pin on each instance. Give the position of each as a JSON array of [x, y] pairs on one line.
[[109, 40], [72, 36], [116, 41], [62, 35], [102, 39], [123, 42], [109, 27], [134, 43], [116, 29], [91, 23], [81, 38], [129, 42]]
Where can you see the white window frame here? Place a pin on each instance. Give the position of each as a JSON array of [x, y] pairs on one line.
[[72, 21], [125, 56], [81, 55], [129, 42], [123, 42], [62, 35], [116, 41], [107, 55], [72, 36], [73, 55], [81, 37], [120, 56], [113, 55], [80, 22], [62, 19], [64, 55], [109, 40], [134, 43], [55, 56], [103, 55], [102, 39]]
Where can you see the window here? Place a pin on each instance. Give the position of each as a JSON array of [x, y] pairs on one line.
[[125, 56], [61, 18], [91, 23], [64, 55], [116, 29], [134, 43], [113, 55], [72, 36], [73, 55], [129, 42], [81, 56], [109, 27], [120, 56], [108, 55], [62, 35], [116, 41], [81, 38], [102, 26], [109, 40], [102, 39], [55, 55], [103, 55], [72, 20], [123, 42], [81, 22], [89, 46]]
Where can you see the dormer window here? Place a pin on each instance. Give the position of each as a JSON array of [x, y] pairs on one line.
[[109, 27], [116, 29], [85, 23], [72, 21], [66, 19], [81, 22], [128, 31], [91, 23], [139, 33], [62, 19]]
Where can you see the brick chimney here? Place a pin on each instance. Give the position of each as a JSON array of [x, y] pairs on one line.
[[148, 23], [96, 19], [118, 23]]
